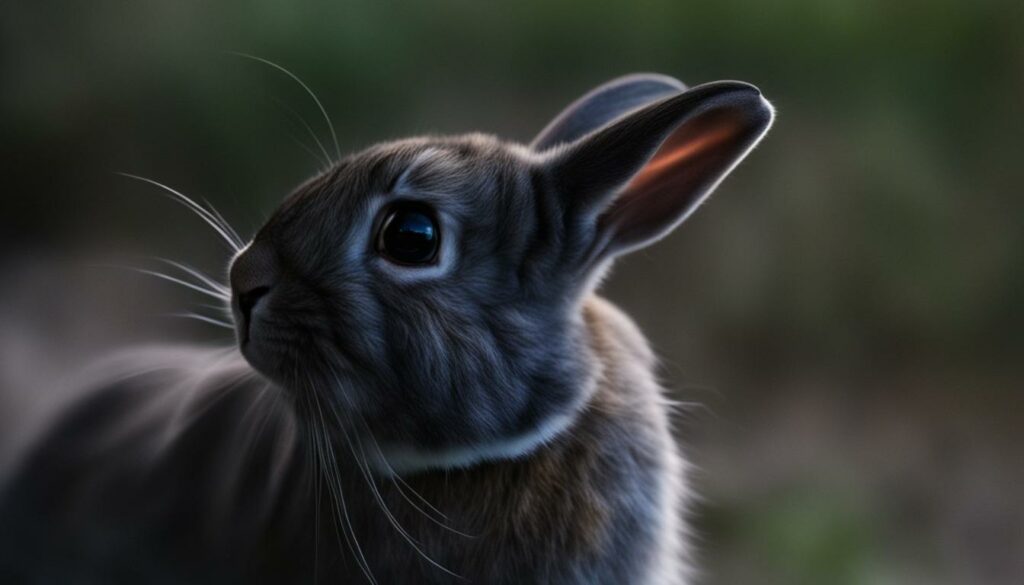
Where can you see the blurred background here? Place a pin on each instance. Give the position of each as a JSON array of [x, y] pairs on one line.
[[843, 319]]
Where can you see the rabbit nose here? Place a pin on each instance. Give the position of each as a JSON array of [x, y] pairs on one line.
[[253, 275]]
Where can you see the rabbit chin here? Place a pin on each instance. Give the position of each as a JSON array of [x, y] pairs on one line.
[[394, 459]]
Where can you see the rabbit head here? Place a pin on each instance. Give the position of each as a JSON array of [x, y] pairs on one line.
[[427, 292]]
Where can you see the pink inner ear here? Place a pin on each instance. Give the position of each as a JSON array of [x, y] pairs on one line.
[[680, 146], [679, 176]]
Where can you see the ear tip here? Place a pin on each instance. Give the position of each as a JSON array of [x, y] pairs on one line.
[[741, 89], [604, 103], [741, 95]]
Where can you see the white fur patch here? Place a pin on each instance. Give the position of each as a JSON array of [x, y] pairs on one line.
[[399, 459]]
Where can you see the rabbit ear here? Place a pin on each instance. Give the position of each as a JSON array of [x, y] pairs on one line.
[[641, 175], [603, 104]]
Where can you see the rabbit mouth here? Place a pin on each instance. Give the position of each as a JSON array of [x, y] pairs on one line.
[[293, 355], [256, 348]]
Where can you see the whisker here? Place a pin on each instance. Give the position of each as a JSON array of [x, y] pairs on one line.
[[223, 222], [326, 160], [205, 319], [322, 164], [397, 479], [338, 493], [181, 282], [316, 534], [211, 220], [363, 467], [399, 483], [222, 309], [395, 475], [364, 471], [341, 508], [318, 477], [205, 279], [323, 111]]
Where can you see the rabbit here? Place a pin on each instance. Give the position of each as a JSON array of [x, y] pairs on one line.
[[441, 395]]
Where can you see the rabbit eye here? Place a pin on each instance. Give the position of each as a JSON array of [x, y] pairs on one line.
[[409, 235]]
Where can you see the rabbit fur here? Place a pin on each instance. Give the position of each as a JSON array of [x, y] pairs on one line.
[[483, 417]]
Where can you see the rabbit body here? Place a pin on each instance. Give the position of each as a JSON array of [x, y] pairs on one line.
[[431, 391], [103, 501]]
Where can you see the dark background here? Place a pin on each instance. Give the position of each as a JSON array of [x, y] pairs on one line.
[[843, 319]]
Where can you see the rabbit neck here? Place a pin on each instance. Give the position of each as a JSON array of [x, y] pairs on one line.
[[406, 458]]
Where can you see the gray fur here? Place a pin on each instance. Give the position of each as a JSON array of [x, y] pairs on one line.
[[493, 385]]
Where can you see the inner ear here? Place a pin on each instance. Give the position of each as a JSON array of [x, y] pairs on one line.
[[679, 177], [642, 174], [695, 141]]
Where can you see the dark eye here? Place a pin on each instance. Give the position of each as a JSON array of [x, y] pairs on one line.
[[409, 234]]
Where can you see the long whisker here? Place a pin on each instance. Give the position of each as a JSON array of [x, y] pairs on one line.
[[205, 319], [373, 488], [395, 475], [316, 436], [338, 493], [320, 465], [234, 242], [316, 535], [223, 222], [184, 283], [397, 479], [203, 278], [326, 160], [222, 309], [323, 111], [330, 473], [364, 470], [363, 467], [323, 165], [318, 477], [399, 483]]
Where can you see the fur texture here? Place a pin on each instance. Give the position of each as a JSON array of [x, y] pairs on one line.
[[482, 417]]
